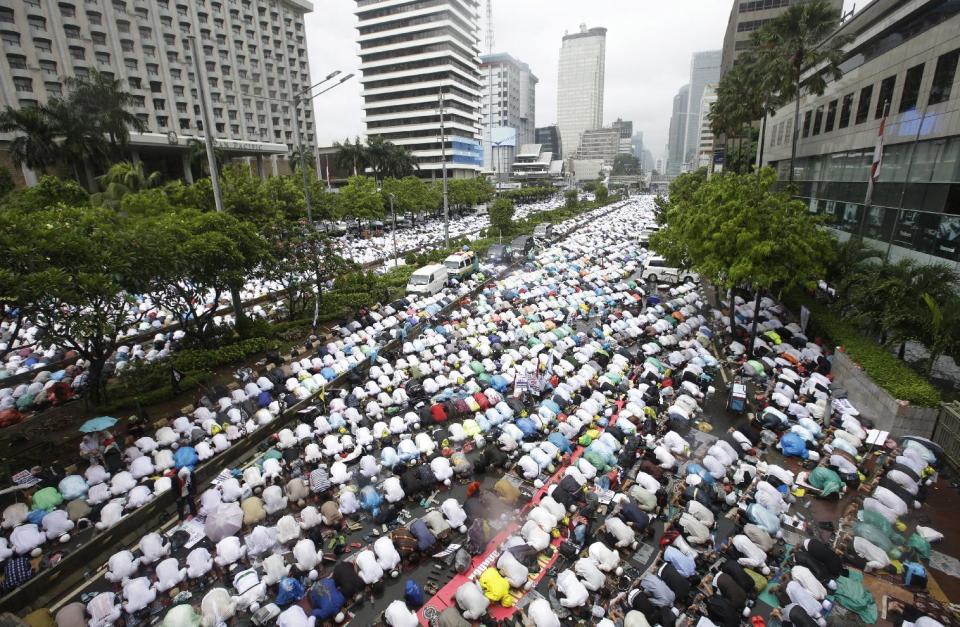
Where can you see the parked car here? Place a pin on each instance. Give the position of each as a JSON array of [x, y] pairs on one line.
[[499, 254], [544, 230], [521, 246]]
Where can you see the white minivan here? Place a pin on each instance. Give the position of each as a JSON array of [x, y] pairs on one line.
[[428, 280], [656, 270]]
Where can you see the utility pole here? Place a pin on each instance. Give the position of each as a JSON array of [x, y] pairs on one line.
[[394, 213], [201, 73], [303, 165], [443, 165]]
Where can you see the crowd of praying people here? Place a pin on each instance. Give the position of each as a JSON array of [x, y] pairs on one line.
[[569, 402]]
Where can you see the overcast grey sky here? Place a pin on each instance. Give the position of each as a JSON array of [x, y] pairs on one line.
[[649, 44]]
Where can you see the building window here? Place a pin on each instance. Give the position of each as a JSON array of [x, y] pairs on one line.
[[943, 77], [94, 18], [831, 116], [17, 61], [845, 110], [23, 84], [10, 38], [806, 123], [99, 39], [67, 10], [43, 45], [78, 53], [817, 120], [885, 96], [103, 58], [911, 88], [863, 106]]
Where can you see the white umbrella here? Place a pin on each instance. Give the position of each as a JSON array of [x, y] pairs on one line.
[[225, 520]]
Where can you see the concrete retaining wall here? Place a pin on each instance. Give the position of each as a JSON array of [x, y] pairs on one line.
[[887, 413]]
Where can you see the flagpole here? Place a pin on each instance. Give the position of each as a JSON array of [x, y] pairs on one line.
[[874, 170], [906, 179]]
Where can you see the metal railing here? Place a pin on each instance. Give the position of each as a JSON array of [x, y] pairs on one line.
[[947, 433]]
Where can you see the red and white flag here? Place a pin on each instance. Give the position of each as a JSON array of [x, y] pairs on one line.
[[877, 160]]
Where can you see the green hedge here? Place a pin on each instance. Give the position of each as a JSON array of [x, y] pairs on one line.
[[890, 373]]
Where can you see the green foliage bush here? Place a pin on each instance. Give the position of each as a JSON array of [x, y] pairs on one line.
[[891, 374]]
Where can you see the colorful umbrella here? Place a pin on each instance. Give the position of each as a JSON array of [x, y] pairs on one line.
[[100, 423]]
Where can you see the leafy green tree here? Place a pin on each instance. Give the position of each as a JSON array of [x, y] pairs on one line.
[[501, 216], [121, 179], [82, 147], [302, 261], [572, 198], [207, 254], [285, 194], [790, 46], [79, 277], [246, 196], [34, 144], [602, 193], [736, 232], [359, 198], [47, 193]]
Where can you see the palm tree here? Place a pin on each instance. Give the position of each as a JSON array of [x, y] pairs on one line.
[[198, 155], [378, 156], [302, 154], [80, 141], [35, 143], [121, 179], [400, 162], [851, 260], [351, 156], [800, 39], [103, 99]]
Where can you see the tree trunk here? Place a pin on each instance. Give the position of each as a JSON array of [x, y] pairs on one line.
[[796, 126], [95, 387], [733, 324], [243, 323], [91, 179], [756, 315], [902, 352]]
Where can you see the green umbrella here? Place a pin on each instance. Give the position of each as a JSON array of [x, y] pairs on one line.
[[47, 498]]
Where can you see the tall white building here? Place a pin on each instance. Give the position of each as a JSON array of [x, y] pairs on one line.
[[410, 52], [507, 113], [705, 144], [704, 70], [580, 85], [254, 54]]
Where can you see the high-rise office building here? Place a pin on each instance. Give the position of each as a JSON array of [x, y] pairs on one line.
[[254, 56], [580, 84], [747, 16], [678, 132], [549, 139], [507, 113], [704, 70], [410, 52], [705, 144]]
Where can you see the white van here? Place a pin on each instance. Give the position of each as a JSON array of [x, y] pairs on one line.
[[656, 270], [428, 280], [461, 264]]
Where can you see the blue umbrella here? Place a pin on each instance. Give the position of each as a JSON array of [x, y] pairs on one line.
[[185, 456], [100, 423]]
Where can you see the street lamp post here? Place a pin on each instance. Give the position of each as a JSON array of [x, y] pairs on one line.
[[443, 165], [297, 99]]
